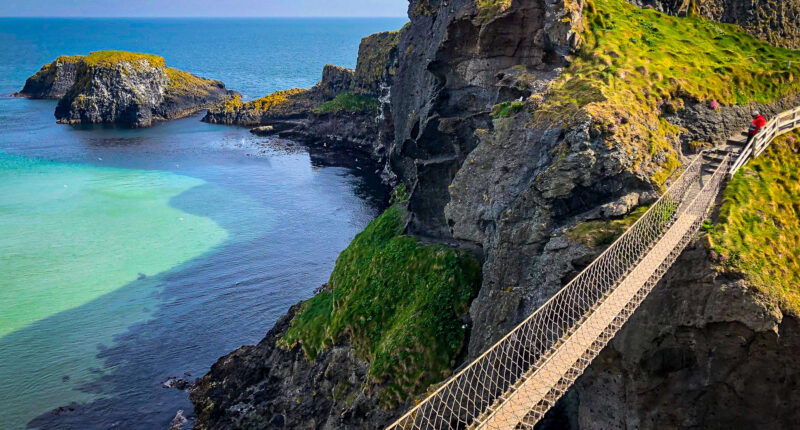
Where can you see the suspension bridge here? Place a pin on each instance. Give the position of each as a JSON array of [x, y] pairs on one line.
[[517, 380]]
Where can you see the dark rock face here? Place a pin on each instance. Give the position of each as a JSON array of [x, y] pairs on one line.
[[452, 65], [705, 350], [53, 81], [264, 386], [704, 124], [769, 20], [130, 89]]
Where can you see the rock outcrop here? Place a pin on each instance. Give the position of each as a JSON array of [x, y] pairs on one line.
[[122, 88], [705, 350], [769, 20], [347, 109], [53, 80], [507, 147], [266, 386]]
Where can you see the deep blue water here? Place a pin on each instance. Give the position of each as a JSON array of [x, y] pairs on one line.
[[287, 216]]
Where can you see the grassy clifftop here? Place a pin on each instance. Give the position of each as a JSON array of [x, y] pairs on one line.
[[400, 304], [112, 58], [637, 64], [759, 225]]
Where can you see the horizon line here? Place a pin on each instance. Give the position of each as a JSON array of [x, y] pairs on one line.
[[203, 16]]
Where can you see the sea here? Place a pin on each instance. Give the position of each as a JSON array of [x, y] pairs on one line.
[[129, 258]]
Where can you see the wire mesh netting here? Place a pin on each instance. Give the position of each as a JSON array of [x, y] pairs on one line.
[[519, 378]]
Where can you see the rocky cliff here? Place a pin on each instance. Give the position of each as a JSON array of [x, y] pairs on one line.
[[530, 133], [122, 88], [705, 350], [347, 109], [53, 80]]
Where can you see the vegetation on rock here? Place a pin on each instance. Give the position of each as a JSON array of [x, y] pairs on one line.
[[185, 83], [399, 302], [506, 109], [638, 64], [374, 55], [349, 102], [285, 102], [599, 233], [112, 58], [488, 9], [758, 232]]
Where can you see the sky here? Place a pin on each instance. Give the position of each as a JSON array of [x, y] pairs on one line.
[[203, 8]]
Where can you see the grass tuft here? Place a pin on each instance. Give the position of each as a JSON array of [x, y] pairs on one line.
[[758, 232], [399, 302], [601, 233], [349, 102], [637, 65]]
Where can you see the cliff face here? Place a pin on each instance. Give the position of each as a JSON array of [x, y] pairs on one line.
[[122, 88], [53, 80], [769, 20], [705, 350], [532, 132]]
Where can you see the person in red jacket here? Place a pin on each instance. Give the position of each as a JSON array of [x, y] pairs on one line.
[[758, 123]]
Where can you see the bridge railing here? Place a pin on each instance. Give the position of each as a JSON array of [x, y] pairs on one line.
[[780, 124], [465, 400]]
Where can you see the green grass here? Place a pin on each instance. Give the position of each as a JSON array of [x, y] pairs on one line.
[[506, 109], [637, 64], [349, 102], [758, 232], [399, 302], [110, 58], [600, 233]]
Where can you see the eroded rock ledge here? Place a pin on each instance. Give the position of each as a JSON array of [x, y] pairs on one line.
[[121, 88]]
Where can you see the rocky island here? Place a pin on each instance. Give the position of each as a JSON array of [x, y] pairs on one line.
[[123, 88], [525, 136]]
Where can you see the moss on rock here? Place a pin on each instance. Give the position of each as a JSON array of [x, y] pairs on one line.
[[637, 65], [758, 232], [349, 102], [375, 55], [400, 303]]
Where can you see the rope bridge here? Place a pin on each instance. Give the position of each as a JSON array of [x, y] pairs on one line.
[[516, 381]]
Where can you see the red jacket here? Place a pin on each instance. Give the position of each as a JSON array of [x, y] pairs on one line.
[[757, 124]]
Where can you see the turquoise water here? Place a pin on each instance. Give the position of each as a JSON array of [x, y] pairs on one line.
[[73, 233], [130, 256]]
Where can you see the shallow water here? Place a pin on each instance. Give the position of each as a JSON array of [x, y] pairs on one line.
[[129, 256]]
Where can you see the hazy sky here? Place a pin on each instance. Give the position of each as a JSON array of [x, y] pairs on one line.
[[204, 8]]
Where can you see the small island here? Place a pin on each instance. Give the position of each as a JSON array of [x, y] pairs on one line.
[[124, 88]]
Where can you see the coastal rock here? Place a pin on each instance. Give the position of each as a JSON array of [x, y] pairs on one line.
[[484, 171], [705, 350], [348, 109], [53, 80], [178, 422], [265, 386], [122, 88]]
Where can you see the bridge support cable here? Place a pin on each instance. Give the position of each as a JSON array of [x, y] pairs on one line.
[[519, 378]]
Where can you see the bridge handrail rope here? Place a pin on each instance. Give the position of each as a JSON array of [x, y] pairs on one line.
[[780, 124], [515, 382]]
